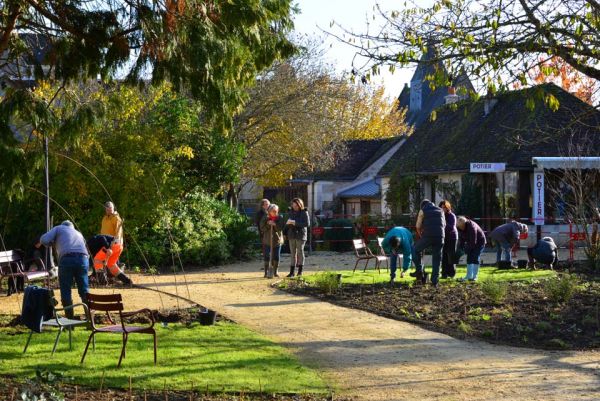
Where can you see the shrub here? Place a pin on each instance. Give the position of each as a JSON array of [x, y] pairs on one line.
[[494, 290], [465, 327], [340, 234], [592, 252], [328, 282], [561, 288], [198, 230]]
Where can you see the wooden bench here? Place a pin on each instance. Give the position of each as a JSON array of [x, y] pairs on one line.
[[15, 269]]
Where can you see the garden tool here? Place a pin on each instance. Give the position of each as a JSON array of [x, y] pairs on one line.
[[270, 268]]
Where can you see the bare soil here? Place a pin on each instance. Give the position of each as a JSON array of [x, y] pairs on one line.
[[10, 389], [526, 318]]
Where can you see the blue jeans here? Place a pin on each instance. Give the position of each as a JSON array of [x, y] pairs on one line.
[[503, 251], [436, 245], [474, 255], [73, 267], [394, 265], [276, 253]]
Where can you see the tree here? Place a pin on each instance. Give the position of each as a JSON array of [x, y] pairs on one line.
[[213, 49], [147, 149], [498, 41], [299, 114], [557, 71]]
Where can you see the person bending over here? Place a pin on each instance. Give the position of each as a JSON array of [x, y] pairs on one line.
[[398, 240]]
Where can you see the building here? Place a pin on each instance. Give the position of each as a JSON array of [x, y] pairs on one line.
[[481, 151], [351, 187], [21, 72]]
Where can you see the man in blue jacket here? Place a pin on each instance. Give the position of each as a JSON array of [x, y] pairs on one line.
[[396, 240]]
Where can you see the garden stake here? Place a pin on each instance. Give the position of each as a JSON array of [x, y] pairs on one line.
[[102, 381], [270, 273], [130, 395], [145, 396], [76, 394]]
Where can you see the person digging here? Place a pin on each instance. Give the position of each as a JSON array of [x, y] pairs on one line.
[[106, 253], [272, 225]]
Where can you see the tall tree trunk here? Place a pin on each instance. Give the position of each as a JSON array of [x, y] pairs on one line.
[[232, 198]]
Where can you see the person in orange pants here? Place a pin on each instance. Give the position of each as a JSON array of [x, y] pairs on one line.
[[106, 251]]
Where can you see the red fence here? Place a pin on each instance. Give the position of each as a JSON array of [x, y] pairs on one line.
[[566, 234]]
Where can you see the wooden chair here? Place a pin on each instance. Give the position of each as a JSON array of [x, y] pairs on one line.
[[63, 323], [114, 303], [12, 268], [362, 252]]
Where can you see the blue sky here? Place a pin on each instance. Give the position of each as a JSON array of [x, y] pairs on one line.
[[352, 15]]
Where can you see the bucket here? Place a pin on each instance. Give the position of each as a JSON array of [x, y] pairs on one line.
[[504, 264], [522, 263], [208, 317]]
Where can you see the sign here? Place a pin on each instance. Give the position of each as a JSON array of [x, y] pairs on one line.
[[538, 198], [371, 230], [318, 231], [488, 167]]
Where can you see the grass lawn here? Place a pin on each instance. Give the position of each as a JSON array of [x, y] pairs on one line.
[[371, 276], [221, 358]]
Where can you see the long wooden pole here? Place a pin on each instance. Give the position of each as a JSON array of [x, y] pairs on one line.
[[270, 272]]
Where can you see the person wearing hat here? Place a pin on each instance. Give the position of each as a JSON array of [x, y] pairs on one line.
[[73, 261], [506, 236]]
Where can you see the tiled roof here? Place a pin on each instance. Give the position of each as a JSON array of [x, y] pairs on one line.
[[360, 154], [510, 133], [369, 189], [430, 99]]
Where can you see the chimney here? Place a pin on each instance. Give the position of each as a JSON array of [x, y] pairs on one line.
[[489, 103], [451, 97]]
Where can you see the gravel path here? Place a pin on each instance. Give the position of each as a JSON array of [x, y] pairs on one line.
[[373, 358]]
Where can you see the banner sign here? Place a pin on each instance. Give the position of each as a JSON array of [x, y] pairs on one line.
[[488, 167], [538, 198]]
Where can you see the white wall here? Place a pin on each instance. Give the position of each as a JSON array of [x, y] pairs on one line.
[[386, 211], [251, 191]]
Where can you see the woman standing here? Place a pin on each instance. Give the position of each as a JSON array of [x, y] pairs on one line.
[[271, 227], [297, 233], [450, 241]]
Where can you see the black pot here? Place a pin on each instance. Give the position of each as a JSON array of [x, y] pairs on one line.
[[208, 317], [504, 264], [522, 263]]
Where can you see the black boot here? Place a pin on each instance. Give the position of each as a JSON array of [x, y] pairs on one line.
[[299, 271], [266, 268], [275, 268], [292, 268], [69, 314], [124, 279]]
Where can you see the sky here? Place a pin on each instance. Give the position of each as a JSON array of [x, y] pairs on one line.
[[316, 16]]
